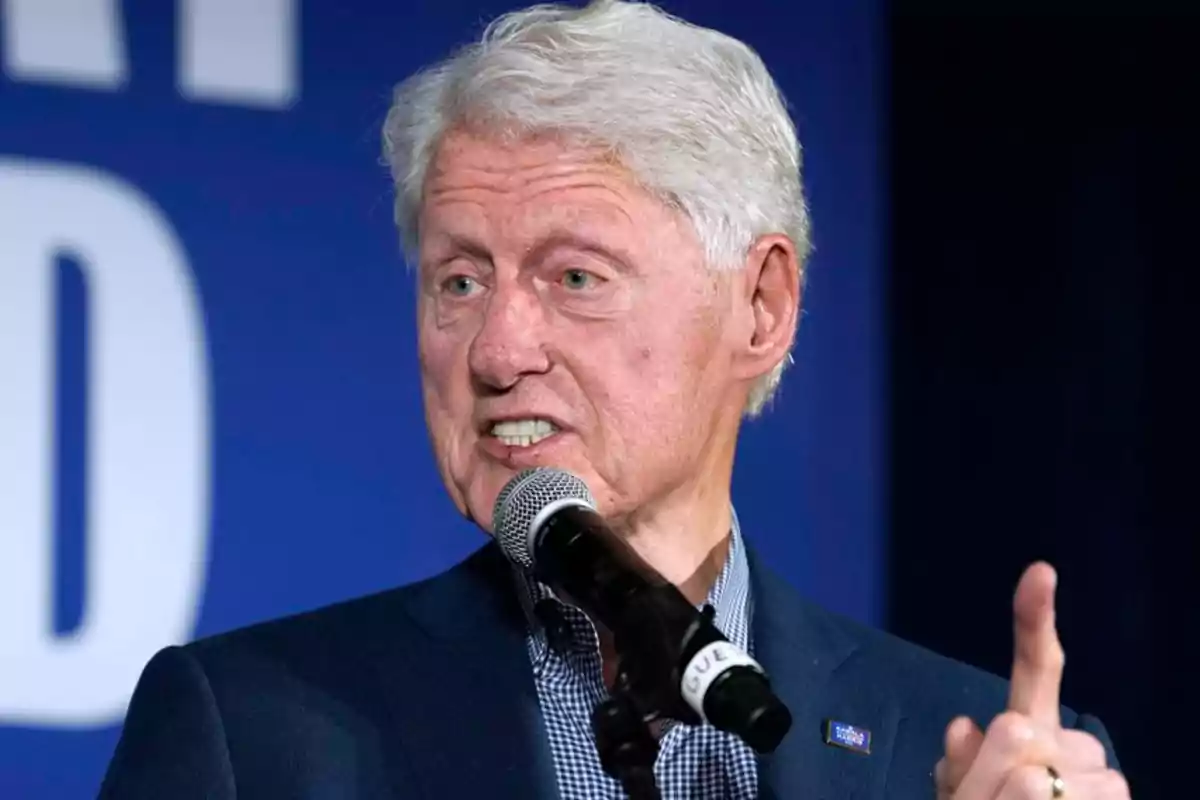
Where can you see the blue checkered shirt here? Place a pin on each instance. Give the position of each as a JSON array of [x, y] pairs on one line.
[[693, 761]]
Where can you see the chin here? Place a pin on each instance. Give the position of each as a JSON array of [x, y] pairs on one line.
[[482, 492], [490, 478]]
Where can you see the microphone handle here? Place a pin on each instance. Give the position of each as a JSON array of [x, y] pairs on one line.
[[677, 660], [657, 632], [576, 550]]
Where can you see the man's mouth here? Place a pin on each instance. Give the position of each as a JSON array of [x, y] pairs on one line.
[[523, 432]]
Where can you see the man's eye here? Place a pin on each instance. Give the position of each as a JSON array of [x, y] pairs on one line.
[[460, 286], [578, 279]]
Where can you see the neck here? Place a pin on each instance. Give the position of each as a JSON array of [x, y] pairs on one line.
[[686, 542], [684, 534], [685, 538]]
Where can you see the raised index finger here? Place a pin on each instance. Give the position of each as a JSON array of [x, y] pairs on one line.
[[1038, 655]]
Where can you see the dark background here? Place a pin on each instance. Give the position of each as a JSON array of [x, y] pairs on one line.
[[1043, 274]]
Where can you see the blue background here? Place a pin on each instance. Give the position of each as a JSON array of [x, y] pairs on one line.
[[322, 483]]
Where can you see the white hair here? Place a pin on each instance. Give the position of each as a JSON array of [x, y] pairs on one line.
[[691, 112]]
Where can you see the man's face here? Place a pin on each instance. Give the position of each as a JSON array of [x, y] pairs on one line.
[[566, 318]]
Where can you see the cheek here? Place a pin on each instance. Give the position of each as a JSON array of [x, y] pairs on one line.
[[672, 384], [651, 390], [672, 360], [445, 383]]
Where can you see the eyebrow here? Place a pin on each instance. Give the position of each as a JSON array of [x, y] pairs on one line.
[[556, 238], [567, 238], [457, 244]]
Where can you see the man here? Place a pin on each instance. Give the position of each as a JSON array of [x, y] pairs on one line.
[[606, 212]]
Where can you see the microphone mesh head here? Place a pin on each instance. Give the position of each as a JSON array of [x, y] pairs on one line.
[[523, 499]]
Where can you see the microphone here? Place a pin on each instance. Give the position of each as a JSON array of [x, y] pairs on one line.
[[545, 519]]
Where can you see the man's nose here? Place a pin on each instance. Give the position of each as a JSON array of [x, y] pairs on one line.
[[510, 344]]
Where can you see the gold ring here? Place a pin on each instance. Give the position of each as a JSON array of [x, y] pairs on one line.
[[1058, 787]]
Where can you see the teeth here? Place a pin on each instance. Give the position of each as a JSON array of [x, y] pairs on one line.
[[523, 432]]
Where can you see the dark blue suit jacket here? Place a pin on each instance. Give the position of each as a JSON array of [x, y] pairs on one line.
[[426, 691]]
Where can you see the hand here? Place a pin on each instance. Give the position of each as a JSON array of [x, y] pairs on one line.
[[1010, 760]]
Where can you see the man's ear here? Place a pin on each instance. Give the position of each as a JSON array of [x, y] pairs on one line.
[[772, 289]]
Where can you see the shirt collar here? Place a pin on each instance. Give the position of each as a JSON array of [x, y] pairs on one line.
[[729, 597]]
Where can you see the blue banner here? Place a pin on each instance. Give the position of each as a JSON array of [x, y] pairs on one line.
[[209, 403]]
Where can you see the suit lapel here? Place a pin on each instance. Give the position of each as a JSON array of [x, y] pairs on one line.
[[471, 723], [802, 648]]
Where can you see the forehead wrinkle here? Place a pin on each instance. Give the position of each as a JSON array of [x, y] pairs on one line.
[[525, 182], [603, 202], [525, 193]]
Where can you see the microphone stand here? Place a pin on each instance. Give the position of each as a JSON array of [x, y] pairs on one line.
[[627, 748], [641, 693]]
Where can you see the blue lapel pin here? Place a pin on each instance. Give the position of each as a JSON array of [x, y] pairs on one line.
[[850, 737]]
